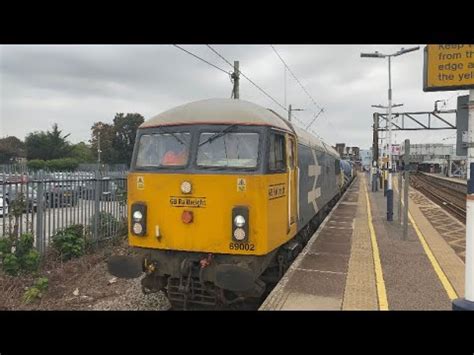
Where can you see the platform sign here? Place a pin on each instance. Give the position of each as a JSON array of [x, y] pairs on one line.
[[462, 116], [448, 67]]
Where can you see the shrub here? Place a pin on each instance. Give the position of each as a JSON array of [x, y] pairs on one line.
[[68, 244], [76, 229], [64, 164], [5, 247], [37, 290], [36, 164], [30, 261], [11, 265], [25, 258], [24, 244]]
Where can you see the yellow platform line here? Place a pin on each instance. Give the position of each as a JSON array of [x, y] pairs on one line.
[[437, 268], [380, 283]]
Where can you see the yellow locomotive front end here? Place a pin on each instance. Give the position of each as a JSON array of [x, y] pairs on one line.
[[212, 198], [203, 189]]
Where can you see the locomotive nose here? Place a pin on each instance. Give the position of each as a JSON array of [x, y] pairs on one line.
[[125, 266]]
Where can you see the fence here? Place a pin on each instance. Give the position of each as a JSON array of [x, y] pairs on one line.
[[44, 203]]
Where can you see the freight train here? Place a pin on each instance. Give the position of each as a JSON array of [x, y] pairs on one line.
[[222, 196]]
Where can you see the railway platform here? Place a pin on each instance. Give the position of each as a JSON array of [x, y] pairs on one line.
[[357, 260], [451, 179]]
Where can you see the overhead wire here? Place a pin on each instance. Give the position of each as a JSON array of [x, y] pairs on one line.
[[297, 80], [250, 80], [240, 72], [202, 59]]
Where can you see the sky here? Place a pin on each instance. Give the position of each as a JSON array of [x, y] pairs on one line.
[[77, 85]]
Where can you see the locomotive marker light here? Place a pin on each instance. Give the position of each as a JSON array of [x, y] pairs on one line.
[[389, 182], [137, 216], [139, 219], [186, 187], [239, 221], [240, 225], [137, 228], [239, 234], [187, 217]]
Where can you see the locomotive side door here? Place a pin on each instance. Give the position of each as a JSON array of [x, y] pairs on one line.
[[292, 181]]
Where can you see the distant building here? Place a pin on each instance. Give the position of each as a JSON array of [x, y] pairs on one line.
[[365, 158], [348, 153]]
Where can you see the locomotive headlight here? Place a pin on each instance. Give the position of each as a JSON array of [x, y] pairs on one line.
[[239, 234], [137, 216], [240, 224], [239, 221], [186, 187], [138, 219], [137, 228]]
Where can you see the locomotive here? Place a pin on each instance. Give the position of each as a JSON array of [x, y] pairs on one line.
[[222, 195]]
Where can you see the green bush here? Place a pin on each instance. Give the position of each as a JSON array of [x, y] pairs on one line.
[[24, 244], [68, 244], [36, 164], [37, 290], [11, 265], [5, 247], [76, 229], [25, 258], [64, 164], [30, 261]]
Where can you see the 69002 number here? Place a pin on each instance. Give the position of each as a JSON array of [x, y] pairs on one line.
[[241, 246]]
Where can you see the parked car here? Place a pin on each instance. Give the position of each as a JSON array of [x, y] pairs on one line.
[[61, 194], [12, 192], [108, 189]]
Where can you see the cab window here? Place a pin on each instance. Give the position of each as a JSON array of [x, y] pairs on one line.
[[228, 150], [291, 154], [163, 150], [277, 156]]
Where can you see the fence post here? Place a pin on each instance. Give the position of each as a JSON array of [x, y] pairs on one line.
[[97, 207], [40, 243]]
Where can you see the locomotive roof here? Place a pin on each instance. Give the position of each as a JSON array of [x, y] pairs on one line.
[[230, 111], [218, 111]]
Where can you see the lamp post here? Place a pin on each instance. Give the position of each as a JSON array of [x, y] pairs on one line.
[[383, 146], [389, 180]]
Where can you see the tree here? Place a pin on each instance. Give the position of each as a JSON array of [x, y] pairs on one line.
[[11, 148], [125, 127], [107, 134], [82, 153], [47, 145]]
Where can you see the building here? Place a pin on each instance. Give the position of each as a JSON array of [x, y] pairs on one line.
[[365, 158]]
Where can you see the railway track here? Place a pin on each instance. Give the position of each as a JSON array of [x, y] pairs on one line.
[[450, 197]]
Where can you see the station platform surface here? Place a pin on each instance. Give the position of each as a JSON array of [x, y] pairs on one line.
[[442, 177], [359, 261]]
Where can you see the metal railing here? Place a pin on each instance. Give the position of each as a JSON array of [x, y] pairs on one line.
[[44, 203]]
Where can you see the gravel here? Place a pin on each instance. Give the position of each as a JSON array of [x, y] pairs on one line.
[[133, 298]]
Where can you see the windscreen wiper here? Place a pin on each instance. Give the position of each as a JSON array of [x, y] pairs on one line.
[[218, 134], [173, 134]]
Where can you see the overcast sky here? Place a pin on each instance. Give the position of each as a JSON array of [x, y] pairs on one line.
[[76, 86]]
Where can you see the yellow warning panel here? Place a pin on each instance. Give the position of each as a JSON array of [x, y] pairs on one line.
[[241, 185], [140, 182], [448, 67]]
